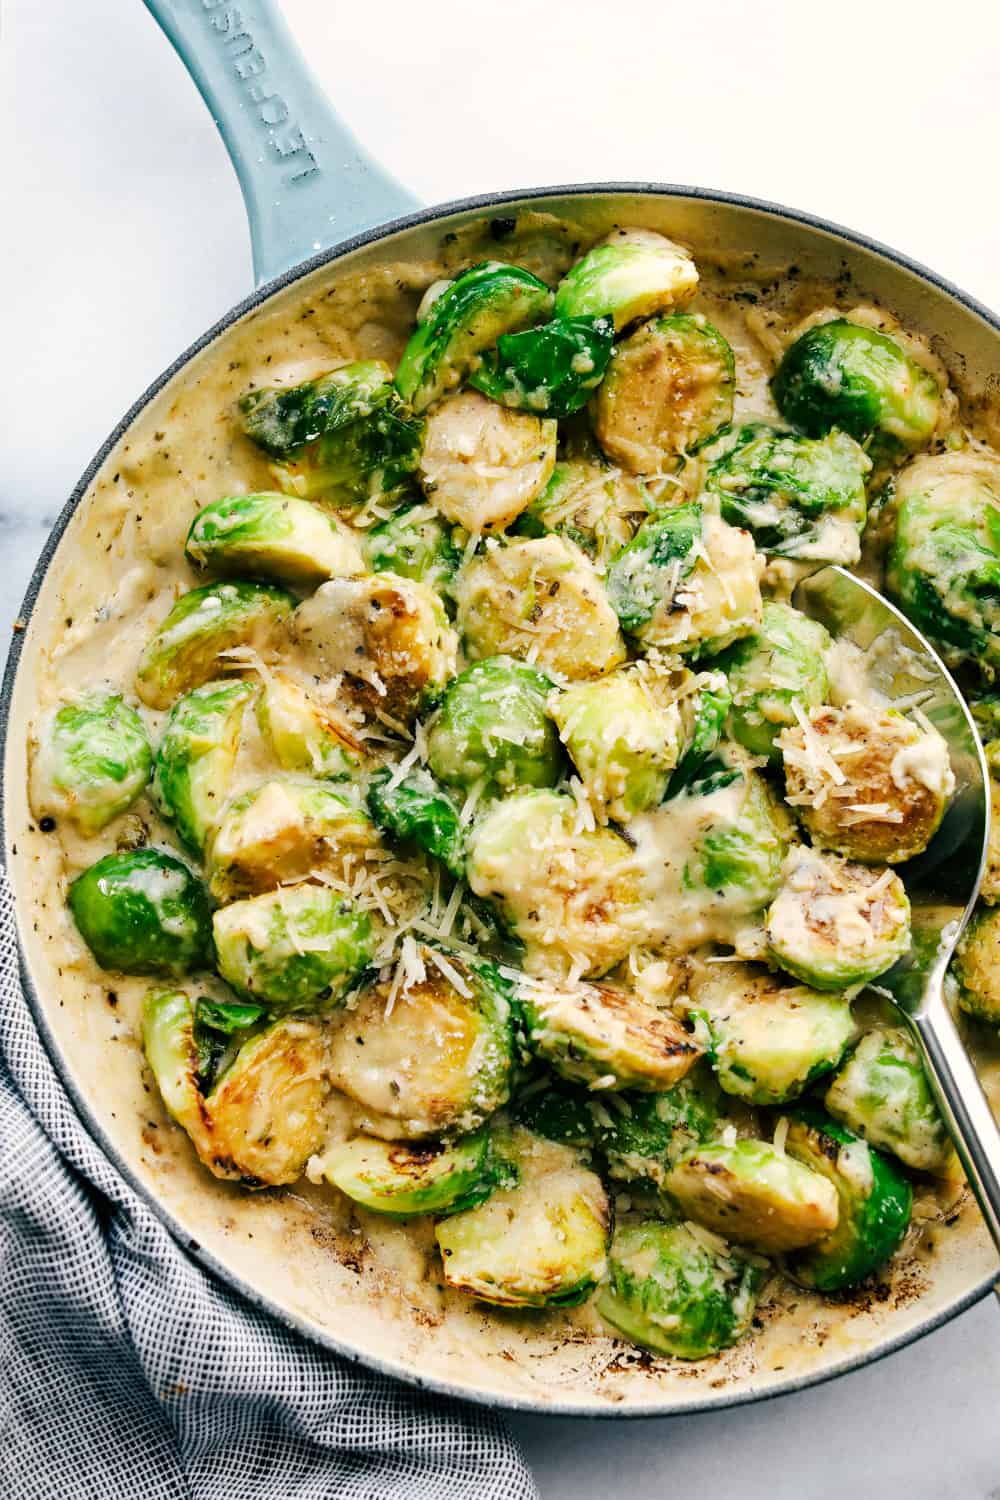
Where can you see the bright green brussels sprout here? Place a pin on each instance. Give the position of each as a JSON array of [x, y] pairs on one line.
[[596, 506], [388, 636], [483, 464], [284, 830], [416, 809], [687, 582], [703, 713], [875, 1204], [836, 925], [753, 1194], [844, 375], [433, 1058], [866, 782], [296, 948], [641, 1135], [415, 543], [342, 438], [556, 1110], [89, 761], [264, 1117], [272, 536], [631, 274], [540, 1243], [550, 370], [799, 497], [675, 1291], [190, 646], [668, 391], [491, 729], [882, 1093], [621, 740], [541, 600], [467, 318], [778, 669], [302, 735], [142, 912], [403, 1179], [767, 1040], [195, 760], [976, 966]]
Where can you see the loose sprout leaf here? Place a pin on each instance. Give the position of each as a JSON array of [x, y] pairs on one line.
[[706, 718], [226, 1016], [550, 370], [418, 810]]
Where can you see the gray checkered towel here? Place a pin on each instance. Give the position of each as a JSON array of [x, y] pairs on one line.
[[126, 1370]]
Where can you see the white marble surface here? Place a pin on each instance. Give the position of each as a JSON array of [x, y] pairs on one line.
[[123, 238]]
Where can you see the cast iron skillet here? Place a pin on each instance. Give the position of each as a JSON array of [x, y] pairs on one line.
[[315, 201]]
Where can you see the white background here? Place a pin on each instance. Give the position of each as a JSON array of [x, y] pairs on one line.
[[123, 237]]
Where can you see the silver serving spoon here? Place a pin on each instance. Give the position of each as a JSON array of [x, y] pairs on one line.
[[943, 882]]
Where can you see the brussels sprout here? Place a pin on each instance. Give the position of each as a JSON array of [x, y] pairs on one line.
[[467, 318], [272, 536], [754, 1194], [205, 624], [415, 543], [596, 506], [986, 712], [570, 894], [835, 924], [389, 636], [264, 1118], [303, 736], [622, 742], [668, 391], [875, 1204], [540, 1243], [687, 582], [491, 729], [632, 273], [882, 1093], [402, 1180], [673, 1291], [641, 1135], [296, 948], [768, 1041], [557, 1111], [778, 670], [976, 966], [989, 889], [866, 782], [342, 438], [540, 599], [704, 713], [89, 761], [419, 811], [432, 1060], [195, 760], [142, 913], [284, 830], [550, 370], [482, 464], [799, 497], [844, 375]]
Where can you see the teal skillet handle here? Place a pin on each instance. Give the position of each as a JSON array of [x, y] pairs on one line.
[[306, 182]]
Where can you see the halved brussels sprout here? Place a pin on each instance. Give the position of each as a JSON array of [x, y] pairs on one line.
[[401, 1179], [89, 761], [272, 536], [482, 464], [264, 1118], [415, 543], [571, 894], [623, 743], [540, 1243], [799, 497], [342, 438], [433, 1059], [875, 1204], [641, 1135], [596, 506], [767, 1040], [190, 646], [668, 391], [284, 830], [389, 636], [703, 714], [296, 948], [866, 782], [491, 729], [301, 734], [549, 370], [976, 966], [142, 912], [632, 273], [882, 1093], [687, 582], [836, 925], [674, 1291], [541, 600], [196, 756], [753, 1194], [464, 320], [778, 670], [419, 811], [845, 375]]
